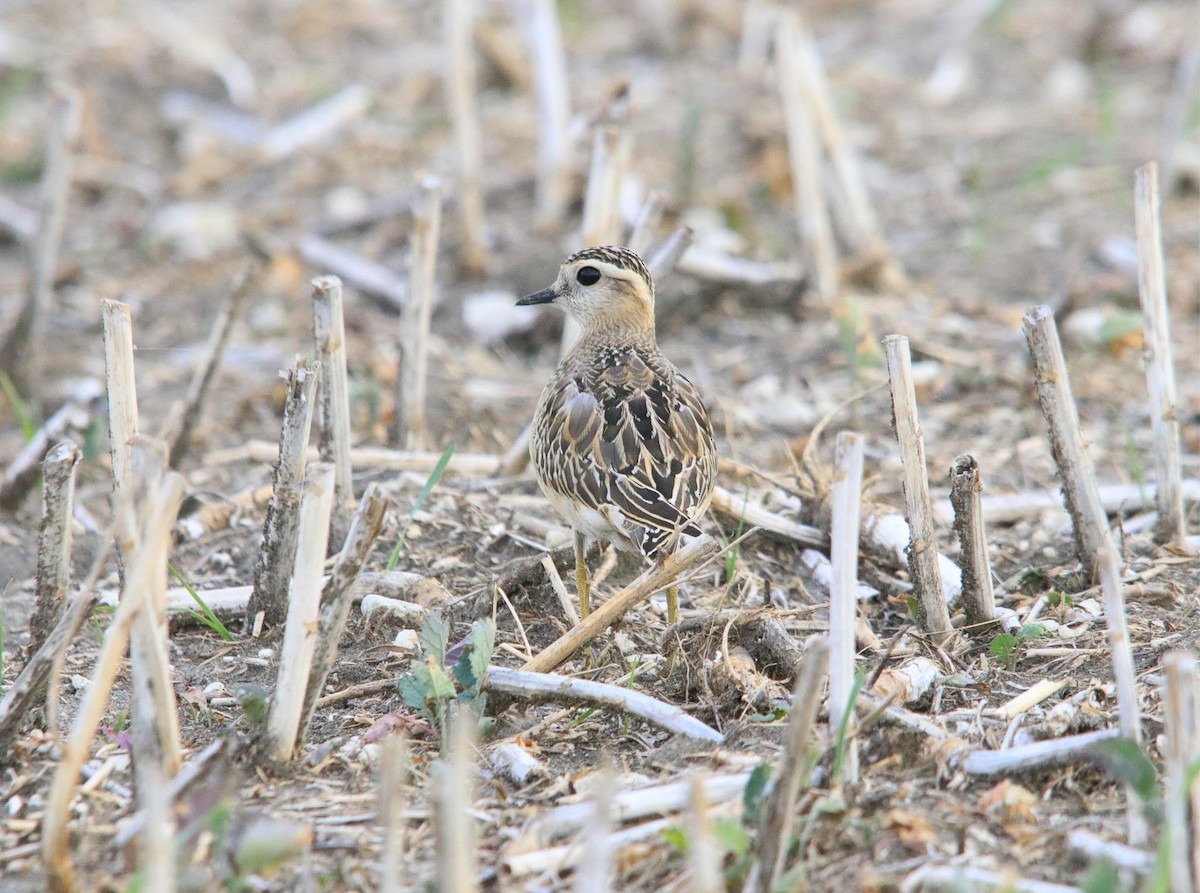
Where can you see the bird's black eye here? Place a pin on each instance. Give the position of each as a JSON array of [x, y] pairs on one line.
[[587, 276]]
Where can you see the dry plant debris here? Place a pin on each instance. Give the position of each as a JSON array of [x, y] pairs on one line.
[[176, 178]]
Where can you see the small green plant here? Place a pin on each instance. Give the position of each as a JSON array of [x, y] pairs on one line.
[[430, 483], [844, 725], [205, 615], [28, 428], [731, 554], [1006, 647], [428, 688]]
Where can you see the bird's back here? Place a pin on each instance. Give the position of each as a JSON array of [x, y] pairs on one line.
[[623, 446]]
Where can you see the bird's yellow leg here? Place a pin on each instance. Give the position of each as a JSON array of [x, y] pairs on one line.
[[672, 604], [583, 585]]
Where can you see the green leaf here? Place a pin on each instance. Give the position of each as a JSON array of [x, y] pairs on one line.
[[753, 794], [430, 483], [206, 615], [434, 637], [677, 838], [731, 836], [482, 642], [253, 700], [1125, 762], [441, 686], [28, 428], [1102, 877], [1003, 647], [413, 686], [1031, 631]]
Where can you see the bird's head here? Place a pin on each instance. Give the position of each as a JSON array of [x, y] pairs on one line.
[[606, 286]]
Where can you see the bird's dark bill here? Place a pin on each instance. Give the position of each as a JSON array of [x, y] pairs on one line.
[[545, 296]]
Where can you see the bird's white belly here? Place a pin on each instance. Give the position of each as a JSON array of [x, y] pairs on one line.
[[607, 523]]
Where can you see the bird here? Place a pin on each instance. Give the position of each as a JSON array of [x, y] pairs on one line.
[[621, 443]]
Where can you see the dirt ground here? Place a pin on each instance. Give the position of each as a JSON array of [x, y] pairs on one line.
[[998, 143]]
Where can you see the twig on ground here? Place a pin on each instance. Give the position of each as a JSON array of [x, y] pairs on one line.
[[753, 515], [1128, 714], [303, 604], [922, 549], [409, 425], [1051, 752], [122, 396], [367, 276], [791, 776], [183, 416], [548, 687], [333, 399], [1005, 508], [843, 599], [671, 252], [1181, 724], [1093, 846], [1160, 367], [966, 488], [715, 265], [804, 155], [640, 589], [19, 355], [315, 124], [649, 219], [1066, 439], [953, 877], [377, 458], [337, 595], [71, 419], [464, 115], [278, 549], [54, 542]]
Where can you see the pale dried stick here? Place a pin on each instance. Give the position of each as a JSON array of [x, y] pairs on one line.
[[19, 356], [333, 399], [1181, 722], [303, 600], [843, 601], [156, 843], [754, 44], [22, 473], [865, 236], [779, 807], [122, 394], [704, 856], [611, 148], [278, 549], [648, 221], [804, 155], [338, 593], [316, 123], [370, 278], [464, 115], [671, 252], [391, 810], [922, 549], [751, 514], [1175, 116], [55, 837], [966, 489], [378, 458], [455, 797], [183, 416], [54, 541], [1050, 752], [639, 590], [1066, 439], [1128, 714], [930, 877], [414, 339], [549, 687], [155, 719], [549, 63], [1160, 367], [593, 874]]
